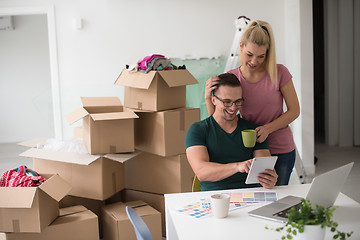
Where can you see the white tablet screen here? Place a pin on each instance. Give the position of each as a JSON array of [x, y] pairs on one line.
[[258, 165]]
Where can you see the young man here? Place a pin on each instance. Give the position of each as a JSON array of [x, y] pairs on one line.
[[214, 146]]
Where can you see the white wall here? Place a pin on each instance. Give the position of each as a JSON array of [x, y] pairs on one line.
[[116, 33], [25, 90], [299, 60]]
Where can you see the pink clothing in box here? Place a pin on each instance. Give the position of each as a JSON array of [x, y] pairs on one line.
[[263, 103]]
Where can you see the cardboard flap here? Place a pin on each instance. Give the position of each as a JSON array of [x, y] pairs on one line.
[[113, 116], [135, 204], [33, 142], [56, 187], [76, 115], [118, 210], [68, 157], [176, 78], [17, 197], [142, 208], [100, 101], [122, 157], [135, 79], [72, 210], [145, 210], [137, 110]]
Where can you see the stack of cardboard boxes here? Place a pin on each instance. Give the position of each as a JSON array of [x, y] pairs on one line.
[[108, 135], [114, 174], [33, 213], [159, 99]]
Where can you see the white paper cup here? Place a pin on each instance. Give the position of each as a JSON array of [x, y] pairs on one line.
[[220, 205]]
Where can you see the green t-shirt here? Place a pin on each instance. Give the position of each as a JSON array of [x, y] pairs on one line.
[[223, 148]]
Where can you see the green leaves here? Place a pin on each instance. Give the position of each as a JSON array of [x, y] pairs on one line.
[[306, 215]]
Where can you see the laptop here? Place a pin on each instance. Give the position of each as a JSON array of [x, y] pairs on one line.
[[324, 190]]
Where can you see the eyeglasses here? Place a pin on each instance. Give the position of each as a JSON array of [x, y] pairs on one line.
[[228, 103]]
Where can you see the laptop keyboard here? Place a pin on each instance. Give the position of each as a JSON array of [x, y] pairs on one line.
[[283, 213]]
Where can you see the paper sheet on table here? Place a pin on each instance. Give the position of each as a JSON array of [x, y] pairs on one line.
[[202, 208], [252, 197]]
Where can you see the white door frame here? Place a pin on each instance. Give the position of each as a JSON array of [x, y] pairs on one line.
[[54, 68]]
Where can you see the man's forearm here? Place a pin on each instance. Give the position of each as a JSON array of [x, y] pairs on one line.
[[213, 172]]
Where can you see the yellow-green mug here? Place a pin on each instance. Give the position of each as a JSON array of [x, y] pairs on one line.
[[249, 137]]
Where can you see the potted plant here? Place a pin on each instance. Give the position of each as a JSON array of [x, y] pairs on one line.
[[308, 223]]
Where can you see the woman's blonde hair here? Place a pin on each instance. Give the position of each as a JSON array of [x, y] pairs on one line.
[[260, 33]]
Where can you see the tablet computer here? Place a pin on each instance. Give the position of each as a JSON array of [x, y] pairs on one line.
[[258, 165]]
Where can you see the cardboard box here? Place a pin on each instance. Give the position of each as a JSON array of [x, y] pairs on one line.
[[155, 90], [91, 176], [156, 201], [152, 173], [73, 223], [163, 133], [117, 225], [106, 127], [92, 204], [31, 209]]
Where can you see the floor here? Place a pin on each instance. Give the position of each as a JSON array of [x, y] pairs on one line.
[[333, 157], [328, 158], [9, 157]]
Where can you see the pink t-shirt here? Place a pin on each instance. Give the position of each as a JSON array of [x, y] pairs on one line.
[[263, 104]]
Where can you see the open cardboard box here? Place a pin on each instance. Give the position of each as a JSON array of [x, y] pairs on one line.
[[31, 209], [75, 222], [91, 176], [117, 225], [163, 133], [107, 128], [155, 90]]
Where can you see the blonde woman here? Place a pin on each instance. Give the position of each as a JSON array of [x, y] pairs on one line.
[[265, 85]]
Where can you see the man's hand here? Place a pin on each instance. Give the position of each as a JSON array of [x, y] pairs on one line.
[[268, 179], [211, 85], [244, 166]]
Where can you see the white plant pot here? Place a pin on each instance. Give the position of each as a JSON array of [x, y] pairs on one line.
[[311, 232]]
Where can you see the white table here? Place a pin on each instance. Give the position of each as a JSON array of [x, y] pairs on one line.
[[239, 225]]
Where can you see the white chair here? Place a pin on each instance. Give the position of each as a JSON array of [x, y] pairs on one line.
[[141, 229]]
